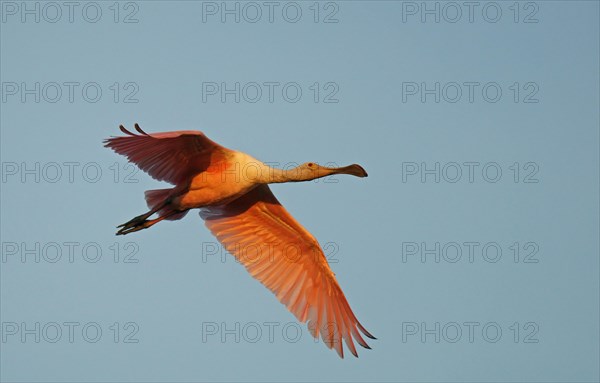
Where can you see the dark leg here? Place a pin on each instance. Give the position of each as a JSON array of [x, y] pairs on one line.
[[141, 218], [136, 220], [143, 224]]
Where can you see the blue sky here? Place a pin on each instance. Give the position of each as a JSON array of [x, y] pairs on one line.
[[470, 251]]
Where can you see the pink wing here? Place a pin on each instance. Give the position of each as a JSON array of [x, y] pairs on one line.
[[287, 259], [174, 157]]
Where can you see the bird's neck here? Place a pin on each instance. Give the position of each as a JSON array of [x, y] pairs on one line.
[[274, 175], [298, 174], [258, 172]]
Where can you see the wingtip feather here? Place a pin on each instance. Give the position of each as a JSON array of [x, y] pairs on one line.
[[124, 130], [364, 331], [137, 127]]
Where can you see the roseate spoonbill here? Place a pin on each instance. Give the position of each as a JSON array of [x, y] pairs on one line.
[[231, 190]]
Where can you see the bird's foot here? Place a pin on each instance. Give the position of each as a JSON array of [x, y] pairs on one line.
[[134, 224], [126, 229], [134, 221]]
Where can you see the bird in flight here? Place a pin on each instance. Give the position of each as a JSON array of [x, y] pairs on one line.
[[231, 189]]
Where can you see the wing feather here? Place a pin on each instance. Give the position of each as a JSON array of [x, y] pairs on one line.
[[289, 262], [174, 157]]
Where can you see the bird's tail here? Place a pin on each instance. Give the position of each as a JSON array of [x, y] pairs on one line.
[[157, 197]]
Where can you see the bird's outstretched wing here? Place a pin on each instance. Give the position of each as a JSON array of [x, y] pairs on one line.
[[287, 259], [174, 157]]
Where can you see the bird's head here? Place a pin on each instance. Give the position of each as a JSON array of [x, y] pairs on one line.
[[312, 169]]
